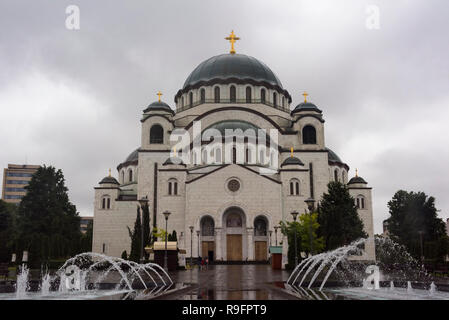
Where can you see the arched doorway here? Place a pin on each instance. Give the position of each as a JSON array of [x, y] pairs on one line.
[[234, 222], [260, 238], [207, 238]]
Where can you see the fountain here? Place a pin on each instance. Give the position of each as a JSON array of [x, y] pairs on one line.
[[364, 280], [92, 275]]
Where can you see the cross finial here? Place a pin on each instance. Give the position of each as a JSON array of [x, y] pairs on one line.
[[159, 94], [356, 172], [109, 171], [291, 152], [305, 94], [232, 39], [174, 151]]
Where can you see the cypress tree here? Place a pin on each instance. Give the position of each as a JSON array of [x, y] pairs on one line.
[[136, 238]]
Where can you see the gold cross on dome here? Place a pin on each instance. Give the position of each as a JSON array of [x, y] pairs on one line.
[[291, 152], [232, 39], [109, 171], [356, 172], [159, 94], [305, 94]]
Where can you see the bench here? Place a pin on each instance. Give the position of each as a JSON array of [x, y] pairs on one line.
[[4, 271]]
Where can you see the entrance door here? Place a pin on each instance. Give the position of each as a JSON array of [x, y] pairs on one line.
[[261, 250], [207, 250], [234, 247]]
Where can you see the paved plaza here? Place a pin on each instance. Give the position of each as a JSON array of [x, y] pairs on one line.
[[231, 282]]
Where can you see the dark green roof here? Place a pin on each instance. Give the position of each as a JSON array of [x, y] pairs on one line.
[[357, 179], [159, 105], [108, 179], [292, 161], [232, 125], [133, 156], [333, 157], [170, 161], [306, 106], [237, 68]]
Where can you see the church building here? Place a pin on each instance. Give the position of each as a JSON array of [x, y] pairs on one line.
[[225, 202]]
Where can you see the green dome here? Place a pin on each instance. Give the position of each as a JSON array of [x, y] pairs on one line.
[[159, 105], [232, 68]]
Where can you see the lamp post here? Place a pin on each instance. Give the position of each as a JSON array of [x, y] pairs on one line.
[[271, 232], [295, 214], [191, 246], [311, 206], [276, 234], [198, 235], [143, 202], [166, 214]]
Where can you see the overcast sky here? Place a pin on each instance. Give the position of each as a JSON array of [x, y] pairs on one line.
[[73, 98]]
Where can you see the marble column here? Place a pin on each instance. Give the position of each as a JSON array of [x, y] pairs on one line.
[[218, 246], [250, 242]]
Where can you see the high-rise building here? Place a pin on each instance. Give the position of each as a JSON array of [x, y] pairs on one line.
[[15, 178]]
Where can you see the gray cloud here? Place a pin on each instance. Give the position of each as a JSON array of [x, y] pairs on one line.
[[73, 99]]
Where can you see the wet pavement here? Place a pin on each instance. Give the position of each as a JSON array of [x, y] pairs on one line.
[[231, 282]]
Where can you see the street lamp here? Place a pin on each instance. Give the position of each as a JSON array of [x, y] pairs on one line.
[[166, 214], [310, 202], [271, 232], [191, 246], [198, 235], [295, 214], [143, 202], [276, 234]]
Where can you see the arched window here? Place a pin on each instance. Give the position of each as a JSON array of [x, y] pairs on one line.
[[191, 98], [262, 96], [217, 155], [283, 102], [172, 187], [217, 94], [207, 227], [360, 202], [122, 176], [294, 187], [232, 94], [335, 175], [275, 99], [234, 155], [261, 157], [130, 175], [234, 220], [248, 95], [203, 95], [260, 226], [106, 202], [156, 134], [204, 156], [182, 102], [309, 135], [247, 155]]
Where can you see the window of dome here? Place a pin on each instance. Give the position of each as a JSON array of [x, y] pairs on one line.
[[156, 134], [275, 99], [309, 135], [203, 95], [248, 95], [262, 95], [232, 94], [217, 95]]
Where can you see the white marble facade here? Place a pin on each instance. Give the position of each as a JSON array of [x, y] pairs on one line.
[[231, 204]]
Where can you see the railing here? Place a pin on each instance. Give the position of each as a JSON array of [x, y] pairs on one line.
[[229, 101]]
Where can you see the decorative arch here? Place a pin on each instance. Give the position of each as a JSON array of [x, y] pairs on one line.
[[105, 202], [309, 134], [207, 226], [294, 187], [360, 202], [157, 134], [260, 226]]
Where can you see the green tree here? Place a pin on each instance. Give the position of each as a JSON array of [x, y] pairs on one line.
[[339, 221], [86, 239], [172, 237], [48, 224], [308, 226], [146, 227], [124, 255], [288, 230], [7, 230], [136, 238], [413, 215]]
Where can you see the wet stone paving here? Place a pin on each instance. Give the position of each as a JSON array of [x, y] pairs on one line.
[[231, 282]]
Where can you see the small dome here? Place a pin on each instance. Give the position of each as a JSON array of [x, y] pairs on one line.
[[109, 179], [133, 156], [306, 106], [170, 161], [158, 105], [333, 157], [292, 161], [357, 179]]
